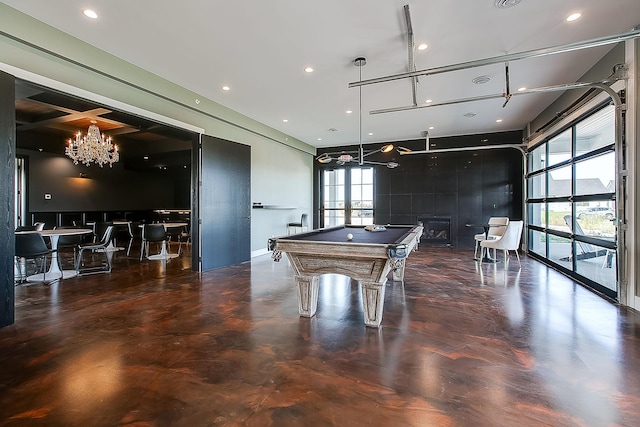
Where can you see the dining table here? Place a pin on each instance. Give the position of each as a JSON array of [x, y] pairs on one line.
[[55, 273], [485, 255]]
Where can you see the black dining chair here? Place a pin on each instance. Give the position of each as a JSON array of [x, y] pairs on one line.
[[152, 233], [183, 237], [73, 242], [295, 225], [100, 246], [31, 246]]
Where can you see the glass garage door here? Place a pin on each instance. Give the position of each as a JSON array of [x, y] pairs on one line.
[[571, 201]]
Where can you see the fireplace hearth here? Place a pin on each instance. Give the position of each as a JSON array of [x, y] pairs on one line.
[[437, 230]]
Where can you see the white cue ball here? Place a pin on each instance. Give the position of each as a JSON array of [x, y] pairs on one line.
[[349, 236]]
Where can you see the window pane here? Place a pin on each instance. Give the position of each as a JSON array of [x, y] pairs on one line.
[[362, 217], [367, 192], [356, 195], [333, 218], [560, 182], [559, 214], [334, 189], [536, 158], [537, 214], [538, 242], [560, 251], [596, 175], [356, 176], [367, 176], [597, 219], [536, 186], [560, 148], [596, 263], [596, 131]]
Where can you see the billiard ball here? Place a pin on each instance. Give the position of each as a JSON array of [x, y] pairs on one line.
[[349, 236]]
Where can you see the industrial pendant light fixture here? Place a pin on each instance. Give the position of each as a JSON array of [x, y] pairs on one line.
[[359, 157]]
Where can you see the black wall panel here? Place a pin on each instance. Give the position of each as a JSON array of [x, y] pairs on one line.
[[7, 193], [465, 186]]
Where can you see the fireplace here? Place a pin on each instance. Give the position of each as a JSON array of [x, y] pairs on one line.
[[437, 230]]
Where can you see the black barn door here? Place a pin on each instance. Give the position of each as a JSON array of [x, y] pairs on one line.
[[225, 203]]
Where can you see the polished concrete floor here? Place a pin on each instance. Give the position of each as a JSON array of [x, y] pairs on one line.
[[461, 344]]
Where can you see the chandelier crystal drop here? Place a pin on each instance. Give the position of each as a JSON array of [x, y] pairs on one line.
[[93, 147]]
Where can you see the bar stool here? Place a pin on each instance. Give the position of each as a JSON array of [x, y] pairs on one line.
[[295, 225]]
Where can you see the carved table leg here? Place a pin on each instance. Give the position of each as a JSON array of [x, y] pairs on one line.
[[307, 287], [398, 269], [372, 302]]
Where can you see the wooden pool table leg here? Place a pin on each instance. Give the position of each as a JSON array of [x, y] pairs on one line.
[[398, 269], [307, 287], [372, 302]]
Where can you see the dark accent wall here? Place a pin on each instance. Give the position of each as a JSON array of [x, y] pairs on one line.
[[7, 190], [467, 186], [103, 189]]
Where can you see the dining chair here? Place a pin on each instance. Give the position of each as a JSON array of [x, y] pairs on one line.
[[152, 233], [73, 241], [31, 246], [295, 225], [497, 227], [509, 241], [100, 246], [184, 237]]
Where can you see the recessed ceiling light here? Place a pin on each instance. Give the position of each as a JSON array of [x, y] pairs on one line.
[[308, 70], [226, 88], [422, 46], [90, 14], [348, 111], [146, 157], [522, 89], [573, 16], [319, 139], [197, 101], [431, 127], [285, 120], [370, 134], [428, 100], [499, 121]]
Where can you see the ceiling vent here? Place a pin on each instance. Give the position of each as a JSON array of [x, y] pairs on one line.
[[506, 4], [480, 80]]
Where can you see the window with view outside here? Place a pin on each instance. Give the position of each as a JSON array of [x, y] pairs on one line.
[[362, 196], [571, 192], [334, 197]]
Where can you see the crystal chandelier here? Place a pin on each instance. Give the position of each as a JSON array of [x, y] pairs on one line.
[[93, 147]]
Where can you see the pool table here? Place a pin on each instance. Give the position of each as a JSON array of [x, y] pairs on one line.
[[368, 258]]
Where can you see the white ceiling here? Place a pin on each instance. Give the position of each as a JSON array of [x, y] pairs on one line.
[[260, 48]]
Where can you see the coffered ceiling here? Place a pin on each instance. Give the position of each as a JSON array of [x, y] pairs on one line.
[[259, 50], [45, 120]]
